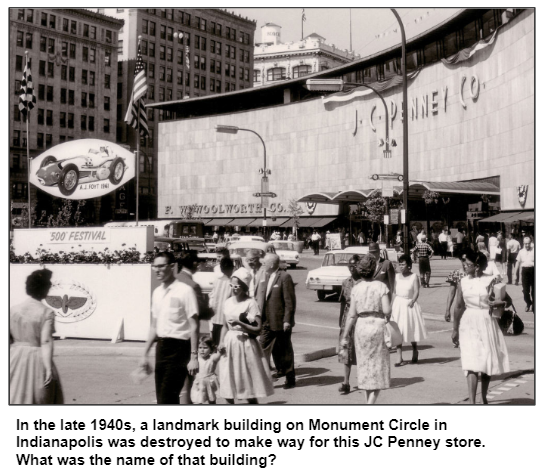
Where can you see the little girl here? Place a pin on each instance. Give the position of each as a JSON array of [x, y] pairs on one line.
[[205, 383]]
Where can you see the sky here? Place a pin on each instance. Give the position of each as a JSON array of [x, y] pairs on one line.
[[333, 24]]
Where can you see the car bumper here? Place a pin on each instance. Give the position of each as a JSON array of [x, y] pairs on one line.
[[324, 286]]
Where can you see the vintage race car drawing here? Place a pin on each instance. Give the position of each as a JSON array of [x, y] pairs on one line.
[[68, 173]]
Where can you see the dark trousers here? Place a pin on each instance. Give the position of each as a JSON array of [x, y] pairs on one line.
[[216, 332], [315, 245], [512, 256], [528, 284], [443, 249], [279, 343], [171, 368]]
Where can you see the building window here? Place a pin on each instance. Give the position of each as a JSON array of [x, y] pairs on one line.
[[203, 83], [302, 70], [49, 117], [50, 69], [275, 74], [151, 70], [212, 46], [16, 138], [169, 94], [170, 54], [108, 36], [203, 44], [203, 63], [44, 19], [72, 51], [92, 52], [162, 32], [62, 138], [62, 119], [241, 73], [256, 75], [211, 85], [151, 91], [20, 38], [84, 76], [28, 42], [21, 14], [219, 29], [64, 48], [43, 44], [91, 101], [218, 67], [63, 95], [180, 37], [40, 140], [30, 15], [41, 116], [106, 127], [91, 123], [17, 87], [145, 27], [169, 75], [73, 27], [91, 78], [247, 57], [196, 81], [83, 122], [161, 52], [70, 97], [65, 25], [106, 81], [169, 34], [107, 58], [71, 73], [84, 99], [48, 140], [179, 57], [49, 93], [150, 114], [162, 73], [51, 45], [152, 29], [228, 51], [120, 68], [41, 92], [18, 63], [52, 21], [218, 85], [70, 120], [64, 72], [232, 70], [187, 79], [161, 94], [86, 30], [151, 50], [212, 66], [16, 113]]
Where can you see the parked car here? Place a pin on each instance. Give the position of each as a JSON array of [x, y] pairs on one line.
[[334, 270], [208, 270], [197, 244], [251, 238], [176, 246], [95, 165], [286, 250]]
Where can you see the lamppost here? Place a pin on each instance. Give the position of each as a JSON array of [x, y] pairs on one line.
[[265, 194], [405, 131], [338, 85]]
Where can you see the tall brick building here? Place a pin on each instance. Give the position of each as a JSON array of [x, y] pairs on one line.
[[187, 53], [73, 55]]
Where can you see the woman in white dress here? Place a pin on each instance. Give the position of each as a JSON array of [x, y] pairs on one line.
[[406, 312], [244, 370], [483, 349]]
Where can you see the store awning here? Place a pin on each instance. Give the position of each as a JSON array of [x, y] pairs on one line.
[[510, 217], [242, 221], [353, 195], [305, 222], [467, 187], [219, 222], [318, 197], [323, 222]]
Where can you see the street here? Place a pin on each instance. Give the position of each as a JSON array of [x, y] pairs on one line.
[[97, 372]]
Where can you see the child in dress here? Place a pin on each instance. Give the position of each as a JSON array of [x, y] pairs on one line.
[[406, 312], [205, 384]]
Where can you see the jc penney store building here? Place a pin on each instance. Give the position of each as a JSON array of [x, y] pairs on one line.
[[471, 104]]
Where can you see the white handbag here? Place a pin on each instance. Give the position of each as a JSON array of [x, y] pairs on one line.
[[393, 335]]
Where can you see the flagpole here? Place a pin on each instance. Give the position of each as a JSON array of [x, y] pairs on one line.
[[350, 30], [28, 158], [137, 163]]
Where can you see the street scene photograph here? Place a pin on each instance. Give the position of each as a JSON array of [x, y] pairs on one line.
[[281, 206]]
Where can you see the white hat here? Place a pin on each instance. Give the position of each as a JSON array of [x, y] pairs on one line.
[[243, 275]]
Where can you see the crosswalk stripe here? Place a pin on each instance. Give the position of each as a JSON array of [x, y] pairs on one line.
[[512, 385], [496, 393]]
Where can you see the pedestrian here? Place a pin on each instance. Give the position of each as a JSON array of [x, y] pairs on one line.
[[421, 235], [483, 349], [413, 235], [442, 239], [459, 237], [328, 241], [323, 239], [205, 383], [221, 291], [175, 327], [221, 252], [257, 271], [315, 241], [215, 237], [361, 238], [500, 256], [244, 370], [512, 249], [384, 271], [33, 375], [453, 279], [399, 241], [492, 246], [424, 252], [347, 357], [277, 299], [526, 260], [347, 242], [406, 311], [370, 308], [189, 262]]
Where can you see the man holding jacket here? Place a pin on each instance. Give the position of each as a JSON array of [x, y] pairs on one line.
[[277, 301]]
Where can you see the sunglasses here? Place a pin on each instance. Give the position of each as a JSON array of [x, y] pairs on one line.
[[235, 287]]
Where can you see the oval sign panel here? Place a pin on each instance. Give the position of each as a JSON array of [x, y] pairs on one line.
[[82, 169]]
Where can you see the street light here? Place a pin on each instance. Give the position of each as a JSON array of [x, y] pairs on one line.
[[232, 129], [405, 130], [338, 85]]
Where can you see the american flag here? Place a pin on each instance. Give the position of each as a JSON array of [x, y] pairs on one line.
[[140, 87], [188, 57], [27, 99], [303, 17]]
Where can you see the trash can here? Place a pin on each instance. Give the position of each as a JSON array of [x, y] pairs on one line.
[[298, 246]]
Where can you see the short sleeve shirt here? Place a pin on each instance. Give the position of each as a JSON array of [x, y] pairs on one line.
[[526, 257], [172, 308]]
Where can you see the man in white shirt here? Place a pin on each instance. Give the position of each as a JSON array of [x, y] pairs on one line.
[[512, 250], [257, 271], [221, 291], [175, 327], [315, 241], [442, 238], [526, 260]]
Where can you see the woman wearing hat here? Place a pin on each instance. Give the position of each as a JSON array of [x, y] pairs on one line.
[[244, 371], [370, 308]]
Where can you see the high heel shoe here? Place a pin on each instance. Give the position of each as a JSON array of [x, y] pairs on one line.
[[415, 358], [345, 388]]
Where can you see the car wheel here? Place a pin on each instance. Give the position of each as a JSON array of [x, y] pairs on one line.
[[47, 161], [293, 266], [117, 170], [68, 181], [321, 295]]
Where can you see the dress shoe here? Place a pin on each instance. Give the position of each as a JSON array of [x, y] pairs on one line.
[[289, 385]]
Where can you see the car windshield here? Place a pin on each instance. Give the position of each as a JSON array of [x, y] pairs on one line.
[[162, 246], [206, 265], [283, 246], [337, 259], [241, 251]]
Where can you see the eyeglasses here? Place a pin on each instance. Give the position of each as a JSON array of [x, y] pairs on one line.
[[235, 287], [159, 266]]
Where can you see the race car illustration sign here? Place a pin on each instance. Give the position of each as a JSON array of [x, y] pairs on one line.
[[82, 169]]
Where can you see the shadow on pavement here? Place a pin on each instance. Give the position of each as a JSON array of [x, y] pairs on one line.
[[306, 371], [514, 402], [318, 381], [275, 403], [439, 360], [511, 374], [403, 382]]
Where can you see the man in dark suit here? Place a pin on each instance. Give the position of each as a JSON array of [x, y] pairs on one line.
[[277, 300], [384, 272]]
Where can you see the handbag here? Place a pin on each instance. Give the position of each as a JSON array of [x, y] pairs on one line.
[[393, 336], [510, 323]]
